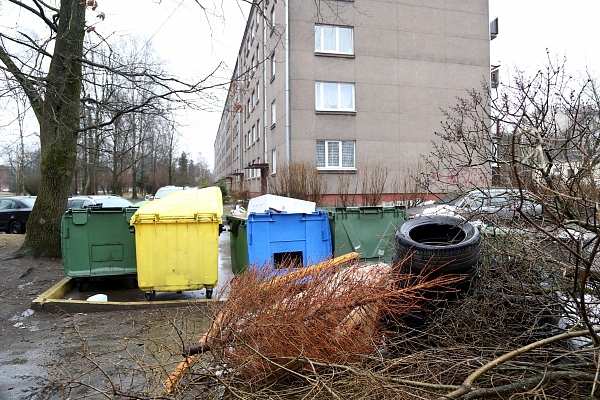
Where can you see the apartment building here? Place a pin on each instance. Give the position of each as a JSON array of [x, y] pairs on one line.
[[343, 84]]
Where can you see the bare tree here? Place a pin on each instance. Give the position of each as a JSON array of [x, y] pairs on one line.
[[539, 135], [49, 70]]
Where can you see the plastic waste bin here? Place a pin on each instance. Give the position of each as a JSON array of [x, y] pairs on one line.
[[238, 243], [271, 239], [177, 242], [96, 242], [365, 230]]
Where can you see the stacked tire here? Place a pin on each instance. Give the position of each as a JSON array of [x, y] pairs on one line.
[[438, 245]]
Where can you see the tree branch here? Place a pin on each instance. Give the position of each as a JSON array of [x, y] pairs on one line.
[[467, 384], [39, 12]]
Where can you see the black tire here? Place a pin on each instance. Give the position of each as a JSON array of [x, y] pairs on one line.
[[15, 227], [149, 296], [440, 243]]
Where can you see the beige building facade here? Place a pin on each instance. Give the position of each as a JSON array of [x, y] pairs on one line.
[[347, 84]]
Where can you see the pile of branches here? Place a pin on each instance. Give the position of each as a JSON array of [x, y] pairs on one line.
[[271, 331], [506, 339]]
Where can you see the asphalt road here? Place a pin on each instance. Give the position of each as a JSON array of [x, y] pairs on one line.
[[48, 355]]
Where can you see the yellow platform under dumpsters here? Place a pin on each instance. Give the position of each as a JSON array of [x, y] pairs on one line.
[[177, 242]]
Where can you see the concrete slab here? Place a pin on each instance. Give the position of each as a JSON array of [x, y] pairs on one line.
[[121, 295]]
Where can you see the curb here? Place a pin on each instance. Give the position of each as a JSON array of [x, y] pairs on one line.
[[52, 301]]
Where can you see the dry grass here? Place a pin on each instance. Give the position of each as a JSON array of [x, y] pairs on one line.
[[10, 243]]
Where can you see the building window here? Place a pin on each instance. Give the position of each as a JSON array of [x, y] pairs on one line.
[[331, 96], [257, 92], [253, 67], [334, 39], [335, 154], [273, 162], [253, 133], [257, 129], [272, 19], [272, 66], [273, 113]]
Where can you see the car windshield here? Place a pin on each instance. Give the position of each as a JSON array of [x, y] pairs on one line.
[[450, 199], [163, 192], [29, 201], [114, 202]]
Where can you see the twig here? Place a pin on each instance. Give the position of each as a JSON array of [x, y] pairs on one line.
[[468, 383], [525, 384]]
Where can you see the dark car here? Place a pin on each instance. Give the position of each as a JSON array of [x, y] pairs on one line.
[[104, 201], [14, 213]]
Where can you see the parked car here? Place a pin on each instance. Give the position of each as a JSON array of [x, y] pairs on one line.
[[105, 201], [449, 199], [501, 203], [165, 190], [14, 213]]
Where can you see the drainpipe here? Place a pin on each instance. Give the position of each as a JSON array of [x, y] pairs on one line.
[[265, 62], [287, 81], [239, 124]]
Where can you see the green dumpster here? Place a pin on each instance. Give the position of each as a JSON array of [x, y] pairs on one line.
[[97, 243], [238, 242], [365, 230]]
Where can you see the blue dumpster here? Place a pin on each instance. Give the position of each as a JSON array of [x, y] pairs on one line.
[[276, 239]]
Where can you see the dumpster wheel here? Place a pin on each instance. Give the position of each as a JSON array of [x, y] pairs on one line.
[[82, 285], [209, 293], [149, 296]]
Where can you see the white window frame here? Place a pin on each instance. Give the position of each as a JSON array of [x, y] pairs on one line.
[[320, 98], [320, 36], [273, 162], [273, 19], [273, 113], [257, 92], [273, 65], [340, 147]]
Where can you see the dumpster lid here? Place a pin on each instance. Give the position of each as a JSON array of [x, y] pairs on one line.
[[186, 204]]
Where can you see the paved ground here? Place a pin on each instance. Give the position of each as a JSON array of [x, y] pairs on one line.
[[38, 348]]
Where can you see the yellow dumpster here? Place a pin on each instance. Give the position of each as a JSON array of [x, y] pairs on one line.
[[177, 242]]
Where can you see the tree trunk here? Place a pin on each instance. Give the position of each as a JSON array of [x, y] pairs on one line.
[[59, 124]]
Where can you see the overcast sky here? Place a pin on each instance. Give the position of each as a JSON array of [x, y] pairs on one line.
[[193, 44], [528, 27]]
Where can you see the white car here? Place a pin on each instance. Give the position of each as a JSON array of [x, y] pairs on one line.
[[165, 190], [101, 201], [498, 202]]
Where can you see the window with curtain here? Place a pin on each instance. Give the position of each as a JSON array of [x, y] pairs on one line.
[[334, 96], [336, 154], [334, 39]]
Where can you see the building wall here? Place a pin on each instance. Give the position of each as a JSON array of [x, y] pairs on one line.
[[411, 59]]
